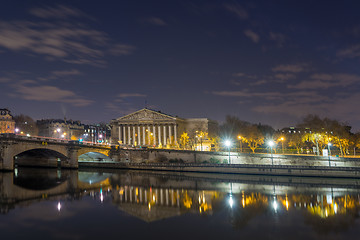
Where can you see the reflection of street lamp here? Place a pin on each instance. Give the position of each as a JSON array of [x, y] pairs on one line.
[[240, 141], [271, 144], [228, 145], [17, 130]]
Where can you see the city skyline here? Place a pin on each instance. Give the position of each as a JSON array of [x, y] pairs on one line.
[[259, 61]]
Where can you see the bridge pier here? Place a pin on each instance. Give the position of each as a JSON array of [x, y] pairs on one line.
[[72, 154], [6, 156]]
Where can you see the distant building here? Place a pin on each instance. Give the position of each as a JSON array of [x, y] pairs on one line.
[[57, 128], [7, 123], [97, 133], [148, 127]]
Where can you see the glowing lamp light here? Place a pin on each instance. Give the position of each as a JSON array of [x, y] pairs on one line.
[[17, 130], [227, 143], [59, 206], [58, 130], [271, 143], [329, 144]]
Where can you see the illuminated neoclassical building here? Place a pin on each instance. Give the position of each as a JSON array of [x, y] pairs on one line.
[[7, 123], [147, 127]]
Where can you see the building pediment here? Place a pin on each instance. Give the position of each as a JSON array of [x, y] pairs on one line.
[[146, 114]]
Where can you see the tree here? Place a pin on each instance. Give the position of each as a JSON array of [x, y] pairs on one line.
[[215, 142], [26, 125], [295, 140], [184, 140], [253, 137]]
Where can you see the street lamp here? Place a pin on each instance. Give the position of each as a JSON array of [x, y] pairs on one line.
[[329, 145], [271, 144], [228, 145], [240, 141], [282, 144]]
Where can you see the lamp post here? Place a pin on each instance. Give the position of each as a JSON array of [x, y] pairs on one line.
[[271, 144], [228, 145], [240, 142], [329, 144], [282, 144]]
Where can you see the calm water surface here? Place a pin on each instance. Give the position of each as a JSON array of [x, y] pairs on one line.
[[95, 204]]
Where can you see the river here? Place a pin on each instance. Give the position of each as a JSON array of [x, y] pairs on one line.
[[100, 204]]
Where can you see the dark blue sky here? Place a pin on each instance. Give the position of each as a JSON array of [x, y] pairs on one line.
[[264, 61]]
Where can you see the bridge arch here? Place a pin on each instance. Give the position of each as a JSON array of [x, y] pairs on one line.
[[93, 157], [40, 157]]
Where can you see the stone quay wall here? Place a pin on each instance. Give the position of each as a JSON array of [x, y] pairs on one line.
[[179, 156]]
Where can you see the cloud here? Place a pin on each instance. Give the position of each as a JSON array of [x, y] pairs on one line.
[[49, 94], [321, 81], [292, 68], [317, 104], [350, 52], [59, 11], [125, 95], [4, 79], [252, 35], [239, 74], [284, 76], [279, 38], [122, 49], [121, 96], [63, 40], [66, 73], [156, 21], [237, 9], [246, 93]]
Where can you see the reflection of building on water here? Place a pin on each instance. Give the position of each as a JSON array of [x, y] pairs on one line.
[[151, 204]]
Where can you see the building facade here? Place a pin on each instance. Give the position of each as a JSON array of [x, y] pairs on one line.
[[147, 127], [97, 133], [58, 128], [7, 123]]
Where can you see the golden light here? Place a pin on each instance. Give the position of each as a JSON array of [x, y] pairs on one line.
[[239, 137]]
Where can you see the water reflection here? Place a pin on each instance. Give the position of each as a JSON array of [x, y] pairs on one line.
[[150, 197]]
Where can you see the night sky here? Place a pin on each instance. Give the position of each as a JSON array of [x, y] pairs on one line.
[[264, 61]]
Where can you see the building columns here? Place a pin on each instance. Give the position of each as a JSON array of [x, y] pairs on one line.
[[159, 134], [143, 135], [165, 143], [175, 133], [154, 132], [124, 135], [170, 133], [138, 135]]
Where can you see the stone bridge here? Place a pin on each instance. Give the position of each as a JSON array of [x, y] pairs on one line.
[[65, 153]]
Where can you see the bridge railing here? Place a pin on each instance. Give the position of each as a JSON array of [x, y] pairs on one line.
[[47, 139]]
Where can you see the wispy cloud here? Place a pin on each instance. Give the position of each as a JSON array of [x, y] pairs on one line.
[[291, 68], [59, 11], [47, 93], [252, 35], [350, 52], [279, 38], [282, 77], [122, 96], [321, 81], [237, 9], [156, 21], [62, 73], [122, 49], [64, 40]]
